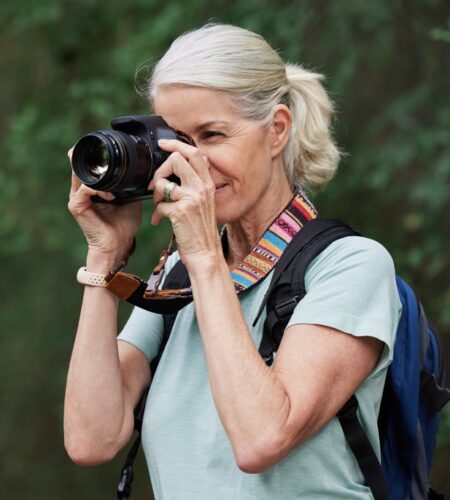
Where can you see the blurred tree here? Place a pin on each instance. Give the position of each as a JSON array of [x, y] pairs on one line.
[[68, 67]]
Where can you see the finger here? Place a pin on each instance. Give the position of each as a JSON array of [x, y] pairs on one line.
[[159, 194], [161, 211], [86, 193], [192, 154], [172, 145], [82, 195], [177, 165], [105, 195], [70, 153], [75, 185]]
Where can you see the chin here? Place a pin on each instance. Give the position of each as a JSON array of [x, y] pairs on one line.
[[226, 215]]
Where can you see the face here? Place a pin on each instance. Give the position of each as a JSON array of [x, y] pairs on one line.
[[241, 154]]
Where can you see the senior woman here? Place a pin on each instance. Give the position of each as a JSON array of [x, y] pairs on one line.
[[219, 423]]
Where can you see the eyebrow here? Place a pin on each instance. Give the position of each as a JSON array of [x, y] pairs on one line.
[[212, 123]]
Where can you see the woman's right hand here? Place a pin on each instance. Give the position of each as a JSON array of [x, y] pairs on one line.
[[109, 229]]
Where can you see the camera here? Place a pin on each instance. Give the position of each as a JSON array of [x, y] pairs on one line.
[[124, 160]]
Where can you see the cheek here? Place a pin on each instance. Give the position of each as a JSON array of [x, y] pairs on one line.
[[248, 164], [257, 165], [224, 162]]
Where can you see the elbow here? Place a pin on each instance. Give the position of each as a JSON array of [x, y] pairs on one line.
[[261, 456], [252, 465], [87, 454]]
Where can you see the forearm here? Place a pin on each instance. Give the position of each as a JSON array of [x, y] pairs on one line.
[[250, 399], [94, 402]]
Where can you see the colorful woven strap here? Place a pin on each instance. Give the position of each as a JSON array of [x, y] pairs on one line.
[[267, 252], [255, 267]]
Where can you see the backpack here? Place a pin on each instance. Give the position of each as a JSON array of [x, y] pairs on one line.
[[414, 392]]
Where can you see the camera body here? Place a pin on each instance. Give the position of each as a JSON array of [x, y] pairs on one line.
[[123, 160]]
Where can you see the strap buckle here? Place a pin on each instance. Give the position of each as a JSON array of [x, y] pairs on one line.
[[124, 486], [268, 359], [430, 389], [285, 308]]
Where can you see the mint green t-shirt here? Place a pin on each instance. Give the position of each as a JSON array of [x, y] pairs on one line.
[[351, 287]]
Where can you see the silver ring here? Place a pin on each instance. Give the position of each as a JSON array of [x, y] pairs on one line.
[[167, 191]]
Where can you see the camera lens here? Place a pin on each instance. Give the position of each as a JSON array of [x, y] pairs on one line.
[[97, 159], [100, 159]]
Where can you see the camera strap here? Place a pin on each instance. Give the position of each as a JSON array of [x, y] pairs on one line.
[[253, 269]]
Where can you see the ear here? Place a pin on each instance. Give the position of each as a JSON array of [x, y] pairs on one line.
[[280, 128]]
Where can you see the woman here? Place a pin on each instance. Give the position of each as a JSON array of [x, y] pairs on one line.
[[216, 412]]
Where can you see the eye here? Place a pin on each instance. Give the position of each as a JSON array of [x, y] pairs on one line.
[[212, 133]]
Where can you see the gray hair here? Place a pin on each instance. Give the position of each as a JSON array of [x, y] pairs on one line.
[[242, 64]]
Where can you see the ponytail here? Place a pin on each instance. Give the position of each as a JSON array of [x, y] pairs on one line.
[[311, 157]]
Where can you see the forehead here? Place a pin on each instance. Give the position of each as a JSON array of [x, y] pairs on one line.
[[187, 108]]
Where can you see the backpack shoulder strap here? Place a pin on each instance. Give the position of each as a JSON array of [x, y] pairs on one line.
[[178, 277], [360, 445], [286, 290], [287, 286]]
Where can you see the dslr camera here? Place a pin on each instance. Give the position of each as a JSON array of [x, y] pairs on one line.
[[124, 160]]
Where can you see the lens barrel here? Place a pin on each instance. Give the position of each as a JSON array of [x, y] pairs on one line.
[[100, 159]]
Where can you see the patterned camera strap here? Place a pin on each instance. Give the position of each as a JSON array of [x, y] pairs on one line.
[[254, 268]]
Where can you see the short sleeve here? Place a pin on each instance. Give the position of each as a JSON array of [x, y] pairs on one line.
[[351, 287], [144, 329]]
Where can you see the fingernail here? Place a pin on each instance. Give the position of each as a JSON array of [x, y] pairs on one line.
[[163, 141]]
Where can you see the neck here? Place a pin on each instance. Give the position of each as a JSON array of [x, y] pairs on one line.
[[244, 233]]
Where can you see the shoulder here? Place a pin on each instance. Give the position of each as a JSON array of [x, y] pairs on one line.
[[351, 287], [352, 254]]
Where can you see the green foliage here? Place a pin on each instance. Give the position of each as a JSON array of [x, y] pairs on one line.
[[68, 67]]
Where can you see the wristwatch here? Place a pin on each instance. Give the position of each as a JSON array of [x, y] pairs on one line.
[[84, 277]]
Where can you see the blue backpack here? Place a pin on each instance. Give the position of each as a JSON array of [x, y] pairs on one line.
[[415, 389], [414, 394]]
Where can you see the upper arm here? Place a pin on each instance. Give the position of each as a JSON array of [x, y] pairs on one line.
[[320, 369], [136, 377], [341, 332], [138, 344]]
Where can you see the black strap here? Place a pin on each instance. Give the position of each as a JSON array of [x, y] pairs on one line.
[[434, 495], [430, 390], [178, 277], [312, 231], [287, 286], [123, 489], [285, 291], [362, 449]]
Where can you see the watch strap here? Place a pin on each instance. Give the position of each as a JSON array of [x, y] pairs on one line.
[[85, 277]]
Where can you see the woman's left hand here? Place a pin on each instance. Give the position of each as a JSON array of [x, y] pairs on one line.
[[191, 210]]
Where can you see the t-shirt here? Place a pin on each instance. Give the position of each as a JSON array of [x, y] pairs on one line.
[[351, 287]]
